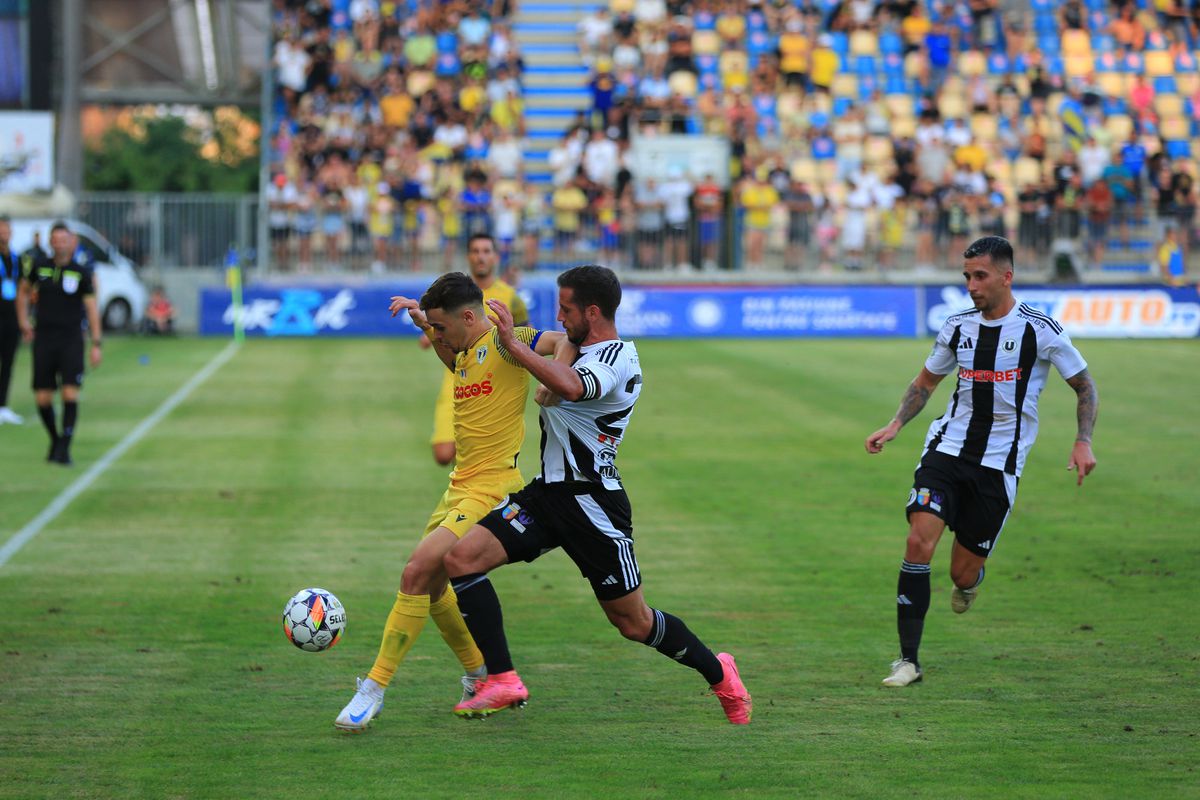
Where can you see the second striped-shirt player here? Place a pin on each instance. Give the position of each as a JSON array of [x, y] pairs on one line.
[[974, 453]]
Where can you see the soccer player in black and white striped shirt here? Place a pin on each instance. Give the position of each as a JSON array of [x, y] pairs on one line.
[[974, 452], [578, 503]]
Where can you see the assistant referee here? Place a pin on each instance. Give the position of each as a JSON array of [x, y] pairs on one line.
[[60, 291]]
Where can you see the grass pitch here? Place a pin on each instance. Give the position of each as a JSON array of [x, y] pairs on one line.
[[142, 654]]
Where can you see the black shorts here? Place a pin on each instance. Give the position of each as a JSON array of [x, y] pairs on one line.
[[592, 524], [973, 501], [57, 360]]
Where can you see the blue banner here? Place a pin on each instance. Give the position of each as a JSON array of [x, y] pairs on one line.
[[646, 311], [1118, 312]]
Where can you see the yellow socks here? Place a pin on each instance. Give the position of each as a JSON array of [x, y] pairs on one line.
[[454, 630], [400, 632]]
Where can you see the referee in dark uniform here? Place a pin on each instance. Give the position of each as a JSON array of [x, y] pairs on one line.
[[10, 332], [60, 291]]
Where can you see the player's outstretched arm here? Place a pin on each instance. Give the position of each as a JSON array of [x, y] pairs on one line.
[[1087, 407], [915, 398], [555, 375]]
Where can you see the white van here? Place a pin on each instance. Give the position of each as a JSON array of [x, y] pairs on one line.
[[121, 296]]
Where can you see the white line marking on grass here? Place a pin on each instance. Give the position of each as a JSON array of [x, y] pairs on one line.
[[22, 537]]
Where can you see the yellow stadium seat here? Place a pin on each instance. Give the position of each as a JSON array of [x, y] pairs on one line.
[[1053, 102], [826, 171], [1174, 129], [1076, 43], [682, 83], [617, 6], [863, 43], [1159, 63], [1114, 84], [1119, 126], [983, 127], [1078, 66], [878, 150], [820, 102], [899, 105], [1152, 144], [1027, 170], [845, 86], [903, 127], [1001, 170], [914, 63], [788, 104], [706, 43], [951, 105], [954, 85], [1168, 105], [804, 170], [1186, 83], [972, 63], [733, 61], [1195, 150]]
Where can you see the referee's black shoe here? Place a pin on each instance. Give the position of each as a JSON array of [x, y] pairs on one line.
[[62, 453], [52, 453]]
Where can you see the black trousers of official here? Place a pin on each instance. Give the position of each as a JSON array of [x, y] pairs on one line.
[[10, 338]]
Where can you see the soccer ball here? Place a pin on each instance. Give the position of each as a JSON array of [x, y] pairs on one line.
[[314, 620]]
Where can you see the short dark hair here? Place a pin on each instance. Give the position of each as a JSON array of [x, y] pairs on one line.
[[593, 285], [451, 292], [997, 247], [59, 226], [487, 236]]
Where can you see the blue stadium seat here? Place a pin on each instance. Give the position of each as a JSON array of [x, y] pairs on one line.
[[1103, 43], [890, 43], [1044, 6], [1020, 65], [447, 42], [1097, 21], [1097, 5], [841, 105], [1164, 84], [1179, 149], [1049, 45], [1045, 25], [893, 64], [1155, 41], [1054, 65], [864, 65], [447, 65], [1114, 105], [1185, 62], [760, 43], [997, 64], [867, 84], [1133, 63], [705, 21], [841, 44], [756, 22], [895, 84], [706, 65]]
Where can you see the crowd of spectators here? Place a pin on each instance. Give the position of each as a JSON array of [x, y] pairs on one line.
[[857, 130]]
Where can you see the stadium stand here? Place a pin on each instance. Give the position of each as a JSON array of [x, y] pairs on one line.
[[877, 125]]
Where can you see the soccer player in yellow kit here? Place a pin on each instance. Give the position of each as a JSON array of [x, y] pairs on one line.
[[489, 393], [483, 259]]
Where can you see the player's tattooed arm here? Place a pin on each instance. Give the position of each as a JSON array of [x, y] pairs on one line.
[[915, 398], [1087, 407]]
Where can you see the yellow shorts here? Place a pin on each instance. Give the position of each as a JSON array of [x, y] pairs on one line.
[[443, 412], [464, 505]]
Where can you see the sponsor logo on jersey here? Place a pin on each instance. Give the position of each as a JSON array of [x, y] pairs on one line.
[[990, 376], [928, 497], [966, 344], [467, 391]]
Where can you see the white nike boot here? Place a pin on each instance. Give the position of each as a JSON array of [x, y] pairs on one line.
[[364, 707]]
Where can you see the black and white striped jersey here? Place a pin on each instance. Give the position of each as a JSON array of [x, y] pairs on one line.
[[580, 439], [991, 418]]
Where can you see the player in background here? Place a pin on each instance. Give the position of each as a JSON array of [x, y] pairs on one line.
[[974, 453], [577, 503], [489, 392], [10, 331], [483, 259]]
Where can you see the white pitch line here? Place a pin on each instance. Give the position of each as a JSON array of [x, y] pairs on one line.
[[22, 537]]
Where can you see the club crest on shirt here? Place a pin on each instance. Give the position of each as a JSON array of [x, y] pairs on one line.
[[70, 283], [1010, 345], [481, 354]]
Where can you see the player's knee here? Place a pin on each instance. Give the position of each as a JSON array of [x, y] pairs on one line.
[[918, 549], [636, 628], [416, 576], [964, 577]]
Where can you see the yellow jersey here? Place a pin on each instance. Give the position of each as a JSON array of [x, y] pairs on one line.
[[499, 290], [490, 390]]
